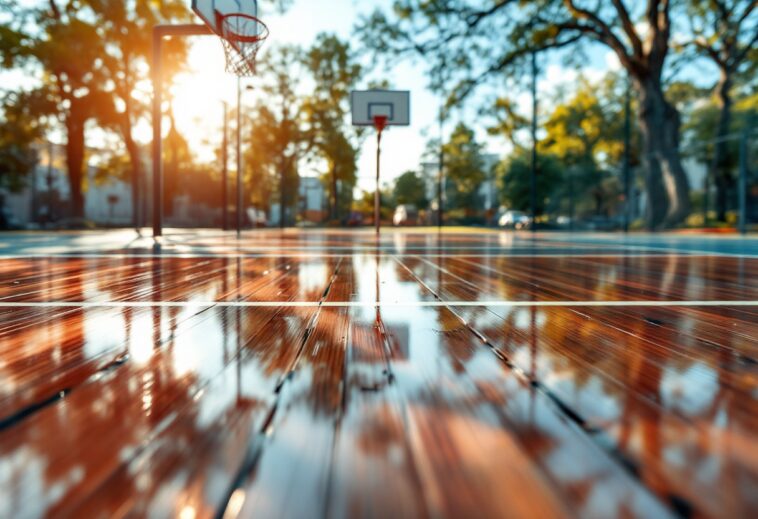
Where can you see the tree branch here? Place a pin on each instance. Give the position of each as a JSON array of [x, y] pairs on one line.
[[607, 36], [467, 86], [748, 10], [473, 19], [628, 26], [741, 55]]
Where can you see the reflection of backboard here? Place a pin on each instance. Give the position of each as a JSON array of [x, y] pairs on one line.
[[212, 11], [366, 105]]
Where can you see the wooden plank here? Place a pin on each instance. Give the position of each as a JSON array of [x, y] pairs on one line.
[[291, 474], [373, 473], [567, 279], [575, 351], [57, 355], [190, 464], [643, 401]]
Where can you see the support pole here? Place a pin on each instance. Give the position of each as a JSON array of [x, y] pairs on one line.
[[376, 193], [225, 171], [627, 166], [159, 31], [742, 181], [440, 177], [157, 133], [533, 179], [239, 158]]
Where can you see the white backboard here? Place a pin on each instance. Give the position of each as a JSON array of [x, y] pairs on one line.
[[393, 104], [211, 11]]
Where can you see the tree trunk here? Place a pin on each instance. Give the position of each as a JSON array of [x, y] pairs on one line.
[[666, 182], [137, 173], [335, 214], [719, 166], [75, 163], [282, 198]]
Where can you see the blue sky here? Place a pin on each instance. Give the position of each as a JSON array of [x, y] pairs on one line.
[[402, 147], [199, 92]]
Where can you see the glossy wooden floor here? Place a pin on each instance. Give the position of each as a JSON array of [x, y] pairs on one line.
[[315, 374]]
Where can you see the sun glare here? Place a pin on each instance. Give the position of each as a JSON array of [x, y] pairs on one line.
[[197, 96]]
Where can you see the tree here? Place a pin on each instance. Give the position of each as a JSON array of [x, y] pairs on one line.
[[64, 43], [178, 161], [277, 141], [464, 168], [586, 134], [514, 177], [335, 71], [127, 27], [725, 33], [481, 42], [410, 189], [20, 130]]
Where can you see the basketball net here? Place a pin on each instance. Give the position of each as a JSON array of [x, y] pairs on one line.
[[242, 36]]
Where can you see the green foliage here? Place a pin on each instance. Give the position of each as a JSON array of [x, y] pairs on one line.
[[88, 54], [91, 57], [514, 175], [699, 131], [464, 168], [464, 44], [335, 71], [410, 189], [20, 131], [277, 137], [508, 122]]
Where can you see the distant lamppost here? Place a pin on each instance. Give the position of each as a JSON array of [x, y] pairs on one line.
[[225, 171], [239, 157], [440, 176], [533, 179]]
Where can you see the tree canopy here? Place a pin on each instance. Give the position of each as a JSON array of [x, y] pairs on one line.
[[464, 168], [467, 43], [410, 189]]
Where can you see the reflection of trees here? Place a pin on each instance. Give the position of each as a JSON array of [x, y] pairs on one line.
[[88, 432], [666, 277], [616, 354], [46, 358]]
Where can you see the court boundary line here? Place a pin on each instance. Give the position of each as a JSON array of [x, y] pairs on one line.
[[254, 255], [368, 304]]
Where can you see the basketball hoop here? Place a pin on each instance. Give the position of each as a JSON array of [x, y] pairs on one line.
[[242, 35]]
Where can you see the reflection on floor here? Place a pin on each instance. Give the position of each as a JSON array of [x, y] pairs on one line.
[[318, 374]]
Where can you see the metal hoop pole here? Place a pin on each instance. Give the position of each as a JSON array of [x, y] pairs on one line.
[[225, 171], [239, 157], [159, 31], [376, 193]]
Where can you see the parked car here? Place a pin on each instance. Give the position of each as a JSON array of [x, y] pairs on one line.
[[405, 214], [514, 220], [354, 219]]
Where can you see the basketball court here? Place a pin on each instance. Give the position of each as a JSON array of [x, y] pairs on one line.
[[417, 372], [318, 373]]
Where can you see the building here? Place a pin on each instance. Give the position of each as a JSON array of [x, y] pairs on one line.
[[313, 200], [46, 199]]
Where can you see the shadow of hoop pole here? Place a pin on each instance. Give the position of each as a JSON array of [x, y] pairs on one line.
[[159, 32]]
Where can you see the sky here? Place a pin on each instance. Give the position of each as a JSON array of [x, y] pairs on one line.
[[402, 147], [198, 93]]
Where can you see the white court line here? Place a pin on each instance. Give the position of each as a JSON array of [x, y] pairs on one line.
[[364, 304], [253, 255]]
